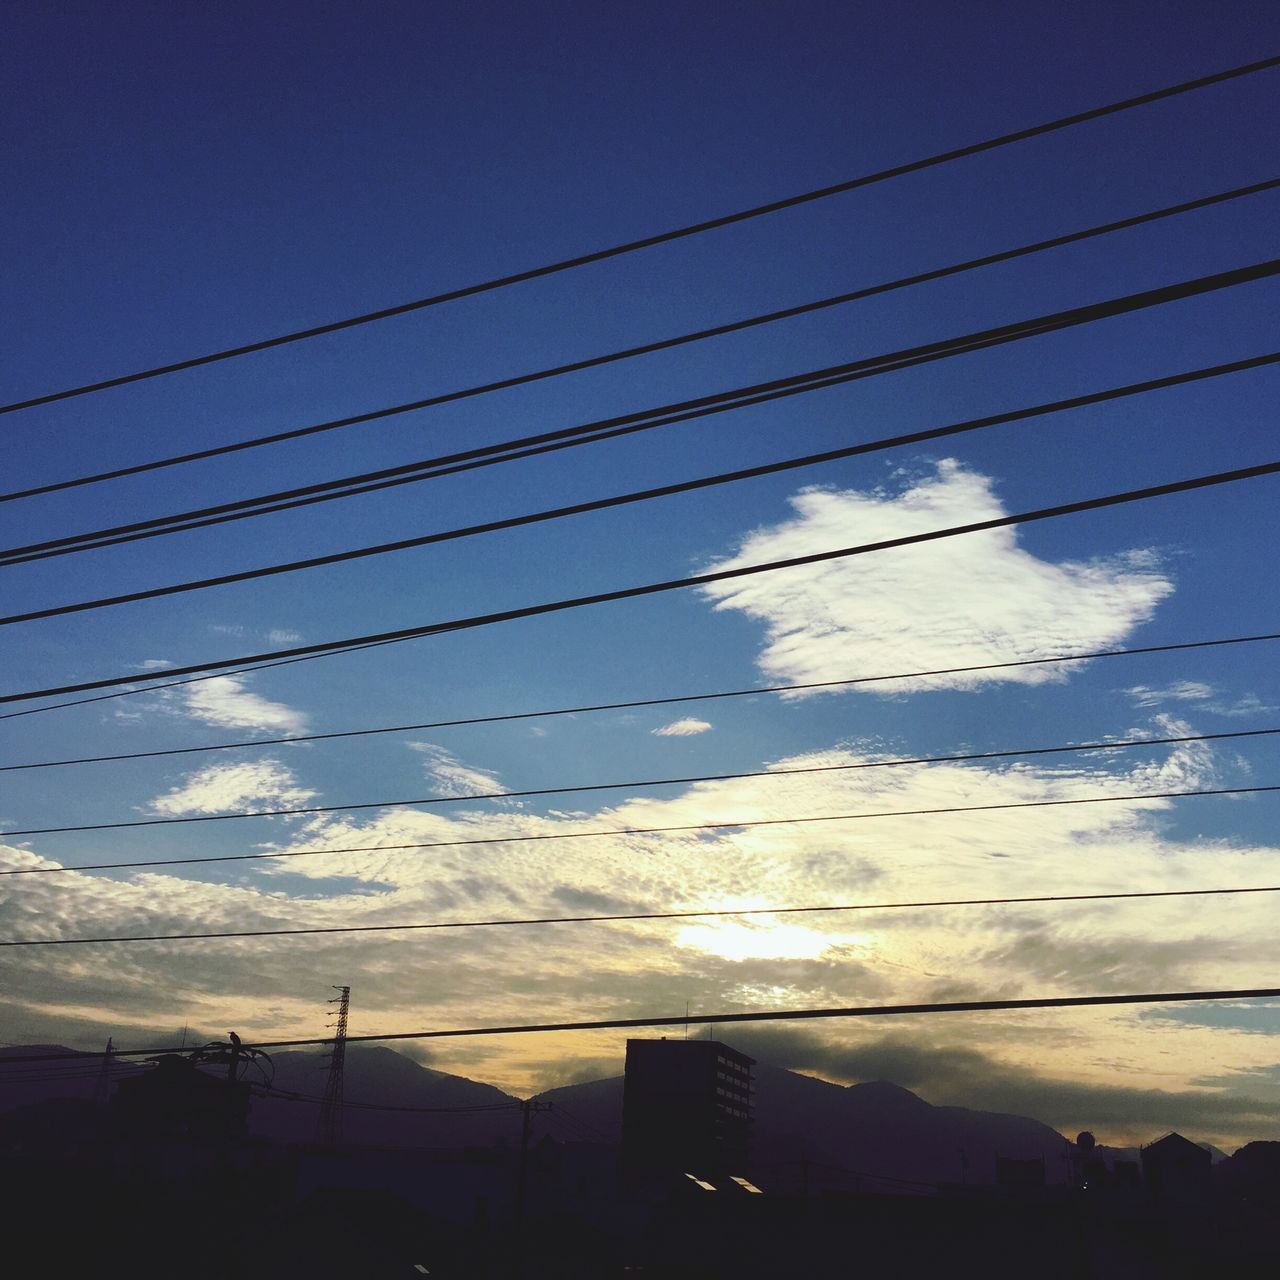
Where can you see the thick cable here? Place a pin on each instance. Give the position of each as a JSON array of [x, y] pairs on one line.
[[636, 496], [666, 237], [665, 344], [715, 1019], [656, 588], [643, 420]]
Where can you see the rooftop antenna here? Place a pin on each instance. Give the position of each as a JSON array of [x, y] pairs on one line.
[[331, 1108]]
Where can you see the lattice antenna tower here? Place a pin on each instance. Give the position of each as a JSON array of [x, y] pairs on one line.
[[331, 1109]]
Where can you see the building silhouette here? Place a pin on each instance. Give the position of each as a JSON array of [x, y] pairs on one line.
[[1175, 1168], [686, 1109]]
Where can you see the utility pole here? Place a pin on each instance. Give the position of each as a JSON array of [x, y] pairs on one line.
[[527, 1108], [102, 1087], [331, 1109]]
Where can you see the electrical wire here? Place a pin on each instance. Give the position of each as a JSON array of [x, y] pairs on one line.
[[639, 784], [650, 348], [636, 496], [757, 1015], [632, 917], [287, 1095], [642, 420], [666, 237], [611, 706], [699, 826], [607, 832], [674, 584], [653, 702]]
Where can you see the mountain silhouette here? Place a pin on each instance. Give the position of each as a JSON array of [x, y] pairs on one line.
[[876, 1134]]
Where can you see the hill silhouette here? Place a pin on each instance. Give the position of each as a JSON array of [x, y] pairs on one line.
[[876, 1134], [877, 1128]]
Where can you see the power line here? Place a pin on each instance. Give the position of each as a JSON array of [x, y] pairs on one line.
[[897, 763], [653, 702], [604, 833], [606, 786], [641, 702], [643, 495], [759, 1015], [287, 1095], [635, 916], [666, 237], [642, 420], [651, 348], [655, 588]]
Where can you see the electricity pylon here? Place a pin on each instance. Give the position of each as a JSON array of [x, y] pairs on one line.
[[331, 1109]]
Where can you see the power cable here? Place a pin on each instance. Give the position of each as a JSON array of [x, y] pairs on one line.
[[287, 1095], [654, 702], [632, 917], [757, 1015], [643, 495], [604, 833], [655, 588], [650, 348], [612, 706], [657, 782], [666, 237], [642, 420]]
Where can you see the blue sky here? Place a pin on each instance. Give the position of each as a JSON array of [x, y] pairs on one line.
[[179, 182]]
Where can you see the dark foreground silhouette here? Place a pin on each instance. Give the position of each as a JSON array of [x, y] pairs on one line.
[[181, 1171]]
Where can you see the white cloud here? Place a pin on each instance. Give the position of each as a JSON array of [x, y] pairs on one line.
[[1205, 696], [961, 601], [226, 703], [451, 776], [817, 959], [1179, 691], [220, 787], [281, 636], [684, 728]]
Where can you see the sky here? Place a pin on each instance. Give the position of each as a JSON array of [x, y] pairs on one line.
[[179, 181]]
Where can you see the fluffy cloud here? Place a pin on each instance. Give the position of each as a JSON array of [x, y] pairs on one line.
[[422, 866], [233, 786], [958, 602], [684, 728]]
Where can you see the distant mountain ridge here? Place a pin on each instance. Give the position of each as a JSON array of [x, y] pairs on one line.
[[806, 1129]]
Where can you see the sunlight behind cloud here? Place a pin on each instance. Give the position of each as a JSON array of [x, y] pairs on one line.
[[739, 940]]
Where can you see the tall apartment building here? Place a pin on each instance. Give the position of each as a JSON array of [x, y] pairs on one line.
[[686, 1108]]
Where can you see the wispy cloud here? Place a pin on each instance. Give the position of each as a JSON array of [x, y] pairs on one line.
[[1205, 696], [220, 787], [451, 776], [685, 728], [226, 703], [958, 602]]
